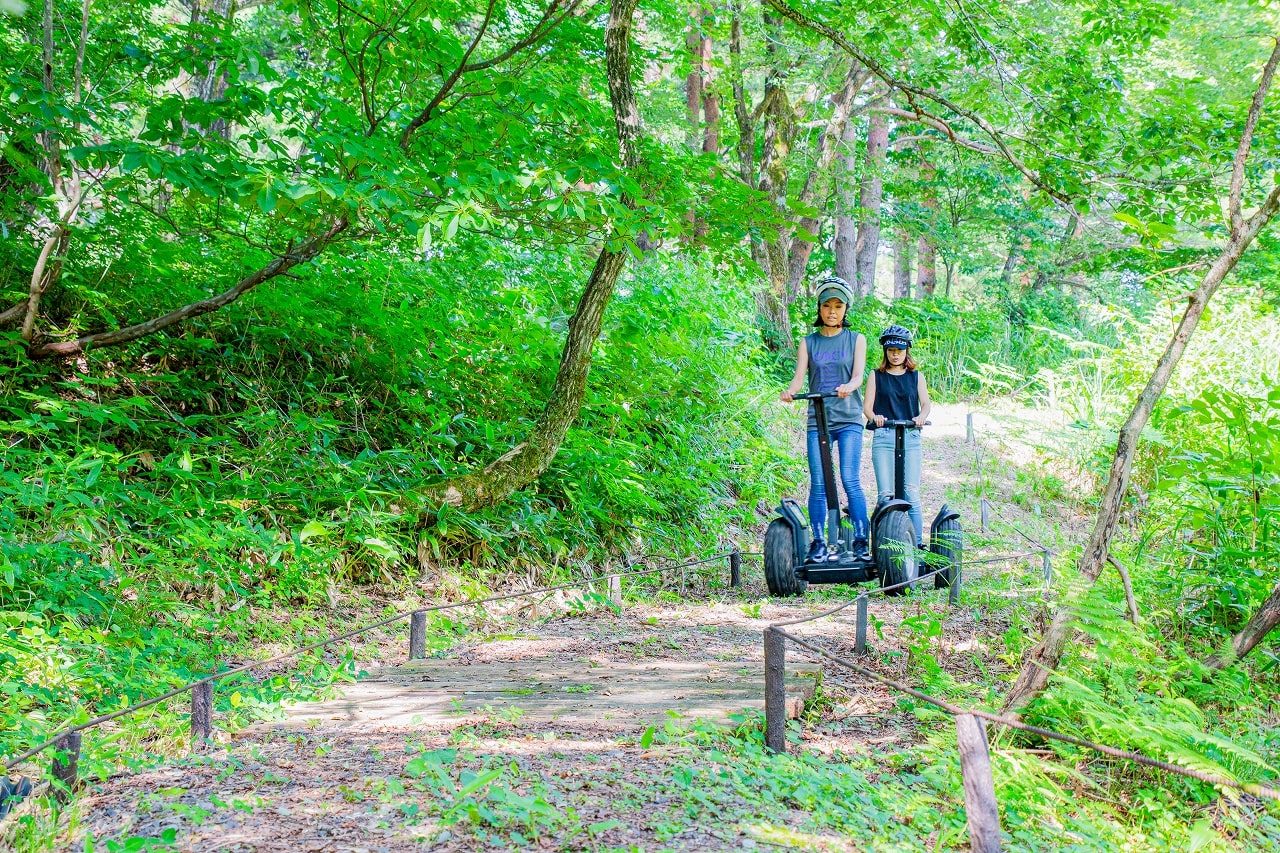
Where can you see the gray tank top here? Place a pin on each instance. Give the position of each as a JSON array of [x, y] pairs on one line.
[[830, 365]]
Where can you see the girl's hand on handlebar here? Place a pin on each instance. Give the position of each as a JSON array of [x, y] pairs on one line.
[[919, 421], [843, 391], [787, 396], [879, 419]]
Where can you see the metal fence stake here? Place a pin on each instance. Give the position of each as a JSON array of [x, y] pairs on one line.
[[1048, 568], [615, 589], [968, 429], [979, 787], [417, 635], [985, 519], [860, 645], [953, 594], [775, 690], [201, 715], [735, 569], [67, 768]]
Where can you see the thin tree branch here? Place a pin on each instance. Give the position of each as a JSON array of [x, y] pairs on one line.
[[425, 116], [1246, 139], [1128, 589], [913, 91]]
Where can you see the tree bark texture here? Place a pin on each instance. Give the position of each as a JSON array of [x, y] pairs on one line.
[[779, 129], [1263, 621], [1045, 656], [902, 265], [528, 460], [212, 84], [926, 252], [694, 80], [828, 146], [845, 247], [869, 199]]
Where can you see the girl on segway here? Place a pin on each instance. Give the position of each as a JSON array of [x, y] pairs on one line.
[[896, 391], [833, 360]]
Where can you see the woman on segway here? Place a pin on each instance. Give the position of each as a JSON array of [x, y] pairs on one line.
[[833, 360], [896, 391]]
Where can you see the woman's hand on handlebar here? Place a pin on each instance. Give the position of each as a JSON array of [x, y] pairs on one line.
[[878, 419], [845, 390], [920, 421], [787, 396]]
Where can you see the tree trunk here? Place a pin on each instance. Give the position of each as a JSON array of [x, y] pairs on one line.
[[212, 84], [869, 201], [926, 269], [779, 127], [845, 247], [1010, 263], [693, 82], [1261, 623], [1044, 657], [902, 266], [803, 241], [528, 460]]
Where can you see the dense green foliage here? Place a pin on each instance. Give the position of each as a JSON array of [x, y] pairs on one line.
[[400, 250]]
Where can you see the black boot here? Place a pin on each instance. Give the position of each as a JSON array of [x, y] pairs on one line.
[[861, 550], [817, 552]]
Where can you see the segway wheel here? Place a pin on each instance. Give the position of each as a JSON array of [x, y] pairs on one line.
[[947, 542], [896, 553], [780, 561]]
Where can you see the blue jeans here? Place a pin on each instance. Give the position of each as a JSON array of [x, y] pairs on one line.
[[882, 461], [848, 440]]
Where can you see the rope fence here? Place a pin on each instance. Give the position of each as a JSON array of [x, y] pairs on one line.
[[68, 741], [981, 807]]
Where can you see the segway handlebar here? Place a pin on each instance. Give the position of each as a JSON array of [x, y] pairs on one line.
[[816, 396], [889, 423]]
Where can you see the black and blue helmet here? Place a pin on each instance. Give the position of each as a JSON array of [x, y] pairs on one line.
[[897, 337]]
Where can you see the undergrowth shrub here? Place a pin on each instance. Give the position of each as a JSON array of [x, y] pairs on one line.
[[267, 456]]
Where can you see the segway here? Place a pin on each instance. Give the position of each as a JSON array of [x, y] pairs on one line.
[[893, 548]]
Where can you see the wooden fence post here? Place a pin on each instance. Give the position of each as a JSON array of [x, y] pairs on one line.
[[985, 518], [979, 787], [615, 589], [201, 715], [968, 429], [953, 593], [735, 569], [775, 690], [860, 644], [1048, 568], [417, 635], [67, 768]]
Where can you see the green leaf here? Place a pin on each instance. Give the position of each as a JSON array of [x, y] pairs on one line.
[[310, 529], [646, 739]]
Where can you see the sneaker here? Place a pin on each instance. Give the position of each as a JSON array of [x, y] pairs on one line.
[[861, 550], [817, 552]]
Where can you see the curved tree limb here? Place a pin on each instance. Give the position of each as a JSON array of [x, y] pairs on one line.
[[1045, 656], [1263, 622], [530, 458], [300, 254]]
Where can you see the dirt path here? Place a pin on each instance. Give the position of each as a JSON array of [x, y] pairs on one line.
[[494, 774]]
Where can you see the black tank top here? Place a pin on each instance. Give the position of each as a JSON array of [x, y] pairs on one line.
[[897, 397]]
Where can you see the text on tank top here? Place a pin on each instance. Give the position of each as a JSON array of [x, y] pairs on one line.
[[897, 397]]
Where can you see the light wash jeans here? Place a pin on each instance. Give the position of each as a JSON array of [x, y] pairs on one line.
[[848, 440], [882, 461]]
